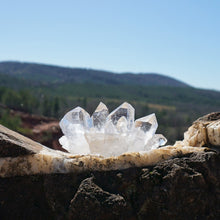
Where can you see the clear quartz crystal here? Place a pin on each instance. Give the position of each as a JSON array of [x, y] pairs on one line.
[[122, 125], [109, 134], [76, 116], [99, 116], [148, 125], [73, 125], [155, 142], [110, 128], [125, 110], [136, 139]]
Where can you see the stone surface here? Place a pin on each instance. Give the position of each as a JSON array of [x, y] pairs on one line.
[[185, 187], [13, 144], [46, 161], [204, 132], [97, 203], [172, 182]]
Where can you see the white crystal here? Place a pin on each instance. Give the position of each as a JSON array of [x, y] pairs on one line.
[[76, 116], [99, 116], [155, 142], [110, 128], [136, 139], [125, 110], [148, 125], [109, 134], [73, 125], [122, 125]]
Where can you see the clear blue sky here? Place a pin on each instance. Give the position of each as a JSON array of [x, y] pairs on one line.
[[179, 38]]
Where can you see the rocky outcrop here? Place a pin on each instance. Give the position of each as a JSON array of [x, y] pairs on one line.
[[173, 182], [14, 145], [185, 187], [22, 156], [204, 132], [180, 188]]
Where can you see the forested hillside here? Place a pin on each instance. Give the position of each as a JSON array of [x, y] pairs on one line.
[[48, 74], [52, 91]]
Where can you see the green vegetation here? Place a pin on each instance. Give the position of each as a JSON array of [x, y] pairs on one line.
[[13, 122], [28, 101], [48, 74], [44, 93]]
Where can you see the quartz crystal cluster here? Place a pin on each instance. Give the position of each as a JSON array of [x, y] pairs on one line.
[[109, 134]]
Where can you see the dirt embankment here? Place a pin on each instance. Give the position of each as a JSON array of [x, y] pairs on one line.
[[42, 129]]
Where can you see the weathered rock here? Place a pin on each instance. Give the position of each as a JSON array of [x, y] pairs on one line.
[[173, 182], [185, 187], [96, 201], [22, 156], [204, 132], [13, 144]]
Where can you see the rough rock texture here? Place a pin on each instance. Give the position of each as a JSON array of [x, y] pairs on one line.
[[204, 132], [185, 187], [21, 156], [174, 182], [13, 144]]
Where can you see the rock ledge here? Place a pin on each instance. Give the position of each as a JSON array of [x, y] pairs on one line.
[[173, 182]]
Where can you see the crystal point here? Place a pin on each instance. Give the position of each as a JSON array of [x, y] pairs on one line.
[[155, 142], [76, 116], [122, 125], [109, 134], [125, 110], [99, 116], [110, 128], [147, 123]]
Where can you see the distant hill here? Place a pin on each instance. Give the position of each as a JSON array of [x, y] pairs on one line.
[[52, 91], [49, 74]]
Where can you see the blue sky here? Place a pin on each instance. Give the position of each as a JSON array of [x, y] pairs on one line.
[[179, 38]]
